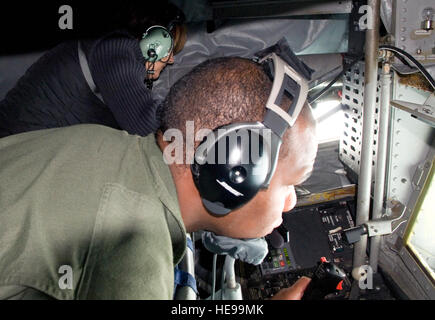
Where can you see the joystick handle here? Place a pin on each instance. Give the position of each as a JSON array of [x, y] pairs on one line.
[[327, 279]]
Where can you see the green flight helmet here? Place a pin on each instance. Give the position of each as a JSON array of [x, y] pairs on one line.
[[156, 43]]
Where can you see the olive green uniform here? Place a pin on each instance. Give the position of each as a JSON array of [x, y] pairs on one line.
[[88, 212]]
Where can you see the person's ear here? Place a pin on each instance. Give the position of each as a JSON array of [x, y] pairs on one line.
[[290, 200]]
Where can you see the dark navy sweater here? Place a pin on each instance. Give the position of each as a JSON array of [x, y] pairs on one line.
[[54, 93]]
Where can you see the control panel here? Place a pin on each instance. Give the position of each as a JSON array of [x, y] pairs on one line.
[[311, 240], [278, 260]]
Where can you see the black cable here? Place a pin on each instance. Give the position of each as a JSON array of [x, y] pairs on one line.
[[345, 68], [404, 61], [412, 59], [399, 53], [148, 80]]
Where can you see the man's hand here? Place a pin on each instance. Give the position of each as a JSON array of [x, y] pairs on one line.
[[295, 292]]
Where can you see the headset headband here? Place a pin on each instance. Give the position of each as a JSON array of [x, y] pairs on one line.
[[276, 118]]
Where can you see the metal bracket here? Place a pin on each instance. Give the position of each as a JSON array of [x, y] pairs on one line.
[[388, 226], [420, 174], [423, 112], [378, 227]]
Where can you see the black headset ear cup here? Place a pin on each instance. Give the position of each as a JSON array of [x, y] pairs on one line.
[[229, 184]]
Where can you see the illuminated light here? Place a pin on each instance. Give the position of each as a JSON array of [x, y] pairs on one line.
[[330, 120], [324, 107]]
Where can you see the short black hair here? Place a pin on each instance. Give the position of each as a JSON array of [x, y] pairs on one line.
[[218, 92]]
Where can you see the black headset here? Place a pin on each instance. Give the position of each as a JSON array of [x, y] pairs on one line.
[[235, 161]]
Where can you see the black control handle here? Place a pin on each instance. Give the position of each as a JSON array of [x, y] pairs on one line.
[[327, 279], [353, 235]]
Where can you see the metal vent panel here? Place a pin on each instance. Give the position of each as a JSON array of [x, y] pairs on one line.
[[353, 105]]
